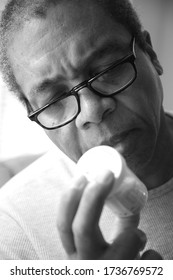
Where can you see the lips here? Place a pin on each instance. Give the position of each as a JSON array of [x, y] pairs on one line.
[[118, 139]]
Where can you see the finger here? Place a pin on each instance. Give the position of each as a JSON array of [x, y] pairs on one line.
[[151, 255], [88, 238], [126, 246], [66, 212]]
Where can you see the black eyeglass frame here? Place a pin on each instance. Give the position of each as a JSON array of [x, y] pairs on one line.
[[33, 116]]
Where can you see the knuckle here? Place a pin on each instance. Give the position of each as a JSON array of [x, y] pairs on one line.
[[66, 201], [62, 226], [77, 229], [80, 230]]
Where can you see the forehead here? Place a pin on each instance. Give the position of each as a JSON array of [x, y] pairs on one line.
[[66, 19], [69, 32]]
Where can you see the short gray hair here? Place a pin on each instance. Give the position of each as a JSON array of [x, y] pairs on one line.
[[17, 12]]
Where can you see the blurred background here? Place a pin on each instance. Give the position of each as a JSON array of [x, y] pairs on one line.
[[20, 137]]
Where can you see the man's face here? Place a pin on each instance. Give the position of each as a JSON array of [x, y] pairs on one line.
[[70, 51]]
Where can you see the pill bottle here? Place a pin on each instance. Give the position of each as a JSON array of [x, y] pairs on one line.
[[128, 195]]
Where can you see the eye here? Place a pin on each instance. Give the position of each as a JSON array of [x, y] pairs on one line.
[[98, 70], [117, 74], [60, 91], [55, 93], [111, 75], [102, 64], [114, 79]]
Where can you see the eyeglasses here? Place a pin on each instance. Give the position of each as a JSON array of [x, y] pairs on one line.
[[109, 82]]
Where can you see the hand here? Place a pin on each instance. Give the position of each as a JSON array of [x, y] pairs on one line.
[[78, 219]]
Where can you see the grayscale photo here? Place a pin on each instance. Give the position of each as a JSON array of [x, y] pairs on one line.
[[86, 130]]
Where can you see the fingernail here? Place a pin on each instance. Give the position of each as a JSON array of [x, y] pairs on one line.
[[79, 181], [106, 177]]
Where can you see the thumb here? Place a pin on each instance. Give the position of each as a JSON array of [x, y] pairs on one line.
[[126, 246], [151, 255]]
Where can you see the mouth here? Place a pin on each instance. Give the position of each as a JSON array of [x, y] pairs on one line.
[[118, 141]]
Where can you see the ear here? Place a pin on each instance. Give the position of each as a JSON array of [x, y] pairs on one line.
[[151, 53]]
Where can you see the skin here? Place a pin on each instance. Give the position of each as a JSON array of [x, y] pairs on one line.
[[133, 122]]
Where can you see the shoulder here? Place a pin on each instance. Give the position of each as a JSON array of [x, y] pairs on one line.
[[41, 181], [29, 203], [51, 169]]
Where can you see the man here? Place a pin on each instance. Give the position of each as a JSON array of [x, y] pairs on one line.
[[88, 75]]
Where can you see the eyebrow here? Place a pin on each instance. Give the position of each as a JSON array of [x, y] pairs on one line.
[[110, 47], [45, 84], [107, 48]]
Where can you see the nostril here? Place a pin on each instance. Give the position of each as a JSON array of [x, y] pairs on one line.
[[94, 110], [86, 125], [107, 112]]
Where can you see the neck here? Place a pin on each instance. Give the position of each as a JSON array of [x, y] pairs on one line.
[[160, 168]]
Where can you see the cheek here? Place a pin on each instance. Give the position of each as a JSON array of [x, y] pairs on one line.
[[67, 140], [147, 92]]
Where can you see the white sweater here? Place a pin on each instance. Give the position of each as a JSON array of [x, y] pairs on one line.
[[28, 212]]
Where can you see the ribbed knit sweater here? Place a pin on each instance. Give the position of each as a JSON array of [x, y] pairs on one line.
[[29, 205]]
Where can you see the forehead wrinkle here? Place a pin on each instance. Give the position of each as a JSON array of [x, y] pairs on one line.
[[64, 42], [63, 34], [68, 21], [80, 55]]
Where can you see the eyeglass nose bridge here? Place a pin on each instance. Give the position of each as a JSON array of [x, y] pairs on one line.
[[87, 84], [80, 86]]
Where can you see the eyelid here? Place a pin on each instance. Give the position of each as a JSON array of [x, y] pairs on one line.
[[102, 65], [50, 98], [58, 91], [99, 69]]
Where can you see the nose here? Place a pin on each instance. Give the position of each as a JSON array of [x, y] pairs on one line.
[[94, 108]]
